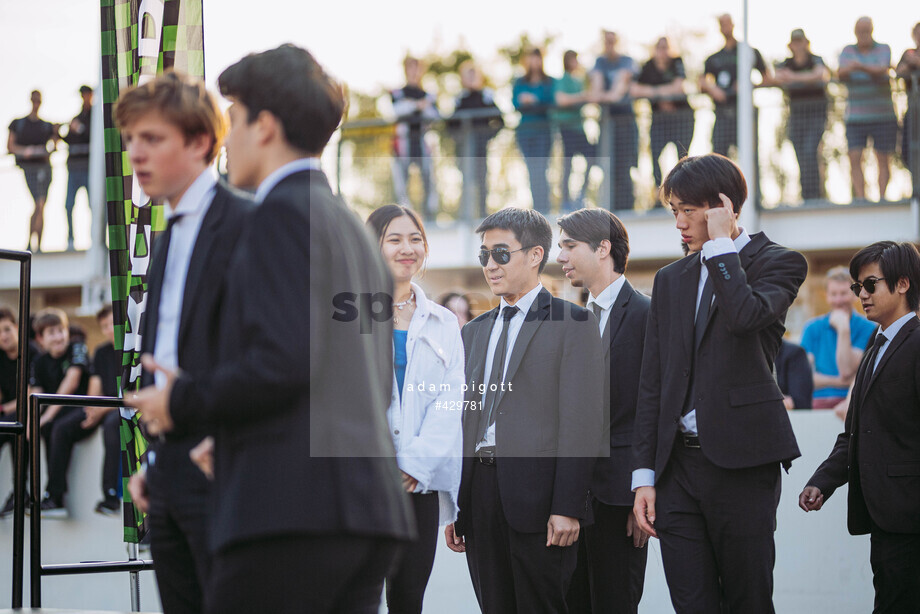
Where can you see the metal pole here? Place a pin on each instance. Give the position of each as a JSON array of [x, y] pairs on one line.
[[19, 444], [35, 543], [750, 218], [134, 580]]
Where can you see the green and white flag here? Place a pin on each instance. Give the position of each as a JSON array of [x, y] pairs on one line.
[[140, 39]]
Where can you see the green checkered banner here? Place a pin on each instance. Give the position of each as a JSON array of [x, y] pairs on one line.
[[140, 39]]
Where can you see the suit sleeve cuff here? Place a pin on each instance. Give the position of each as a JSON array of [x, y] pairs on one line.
[[642, 477], [718, 247]]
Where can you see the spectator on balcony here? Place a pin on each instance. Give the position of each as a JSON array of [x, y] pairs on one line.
[[835, 341], [720, 81], [28, 141], [532, 95], [909, 69], [415, 109], [473, 134], [571, 95], [9, 359], [77, 140], [865, 68], [662, 82], [803, 76], [611, 82]]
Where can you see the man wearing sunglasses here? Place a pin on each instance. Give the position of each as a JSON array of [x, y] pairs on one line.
[[531, 425], [878, 453], [711, 428]]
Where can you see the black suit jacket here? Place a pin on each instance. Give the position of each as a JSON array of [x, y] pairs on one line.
[[793, 374], [740, 415], [298, 399], [202, 301], [623, 342], [548, 424], [878, 452]]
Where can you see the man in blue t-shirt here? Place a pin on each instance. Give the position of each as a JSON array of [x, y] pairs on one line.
[[835, 342]]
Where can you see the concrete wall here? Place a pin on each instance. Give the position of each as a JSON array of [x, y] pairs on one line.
[[819, 567]]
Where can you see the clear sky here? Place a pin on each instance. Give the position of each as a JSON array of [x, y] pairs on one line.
[[54, 46]]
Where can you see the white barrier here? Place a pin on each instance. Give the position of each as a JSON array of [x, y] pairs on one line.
[[819, 566]]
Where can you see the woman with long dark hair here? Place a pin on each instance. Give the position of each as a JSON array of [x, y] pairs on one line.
[[424, 412]]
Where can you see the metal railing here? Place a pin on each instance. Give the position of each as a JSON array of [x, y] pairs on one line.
[[37, 569], [800, 151], [18, 428]]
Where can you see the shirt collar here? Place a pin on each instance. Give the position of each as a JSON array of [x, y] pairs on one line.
[[193, 201], [892, 331], [275, 177], [608, 295], [525, 301]]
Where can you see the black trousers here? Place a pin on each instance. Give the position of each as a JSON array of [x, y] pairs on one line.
[[179, 506], [512, 571], [408, 579], [670, 127], [111, 439], [895, 559], [60, 435], [716, 530], [320, 574], [612, 569]]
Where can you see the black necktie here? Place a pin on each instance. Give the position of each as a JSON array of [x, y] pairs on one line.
[[597, 309], [702, 313], [158, 273], [871, 355], [495, 376]]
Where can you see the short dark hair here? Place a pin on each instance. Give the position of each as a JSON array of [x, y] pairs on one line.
[[85, 89], [896, 260], [451, 296], [379, 220], [104, 312], [530, 228], [592, 226], [697, 180], [48, 317], [7, 314], [291, 85]]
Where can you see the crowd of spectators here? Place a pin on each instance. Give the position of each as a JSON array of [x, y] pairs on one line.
[[550, 109]]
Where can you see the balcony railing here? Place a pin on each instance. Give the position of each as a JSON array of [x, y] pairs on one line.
[[463, 167]]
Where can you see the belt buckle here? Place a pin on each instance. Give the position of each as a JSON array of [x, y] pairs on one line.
[[486, 456], [691, 441]]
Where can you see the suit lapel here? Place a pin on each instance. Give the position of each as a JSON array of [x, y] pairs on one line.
[[479, 348], [616, 316], [893, 346], [688, 284], [154, 290], [539, 311], [197, 265]]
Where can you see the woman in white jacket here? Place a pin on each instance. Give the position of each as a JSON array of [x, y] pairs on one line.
[[425, 409]]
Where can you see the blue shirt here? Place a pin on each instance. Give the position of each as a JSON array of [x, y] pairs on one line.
[[610, 70], [400, 358], [545, 93], [820, 340]]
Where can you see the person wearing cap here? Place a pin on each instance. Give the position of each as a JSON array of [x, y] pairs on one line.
[[803, 76], [77, 139], [865, 68]]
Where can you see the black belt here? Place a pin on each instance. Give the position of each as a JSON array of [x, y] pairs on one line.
[[690, 441], [486, 455]]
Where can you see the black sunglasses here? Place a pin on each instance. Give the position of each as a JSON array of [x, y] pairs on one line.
[[868, 284], [501, 255]]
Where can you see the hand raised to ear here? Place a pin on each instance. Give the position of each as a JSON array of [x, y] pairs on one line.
[[722, 221]]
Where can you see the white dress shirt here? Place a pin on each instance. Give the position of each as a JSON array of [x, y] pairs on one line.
[[605, 301], [514, 327], [275, 177], [193, 206], [711, 249]]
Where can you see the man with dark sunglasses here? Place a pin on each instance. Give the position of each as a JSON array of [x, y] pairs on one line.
[[878, 453], [530, 446]]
